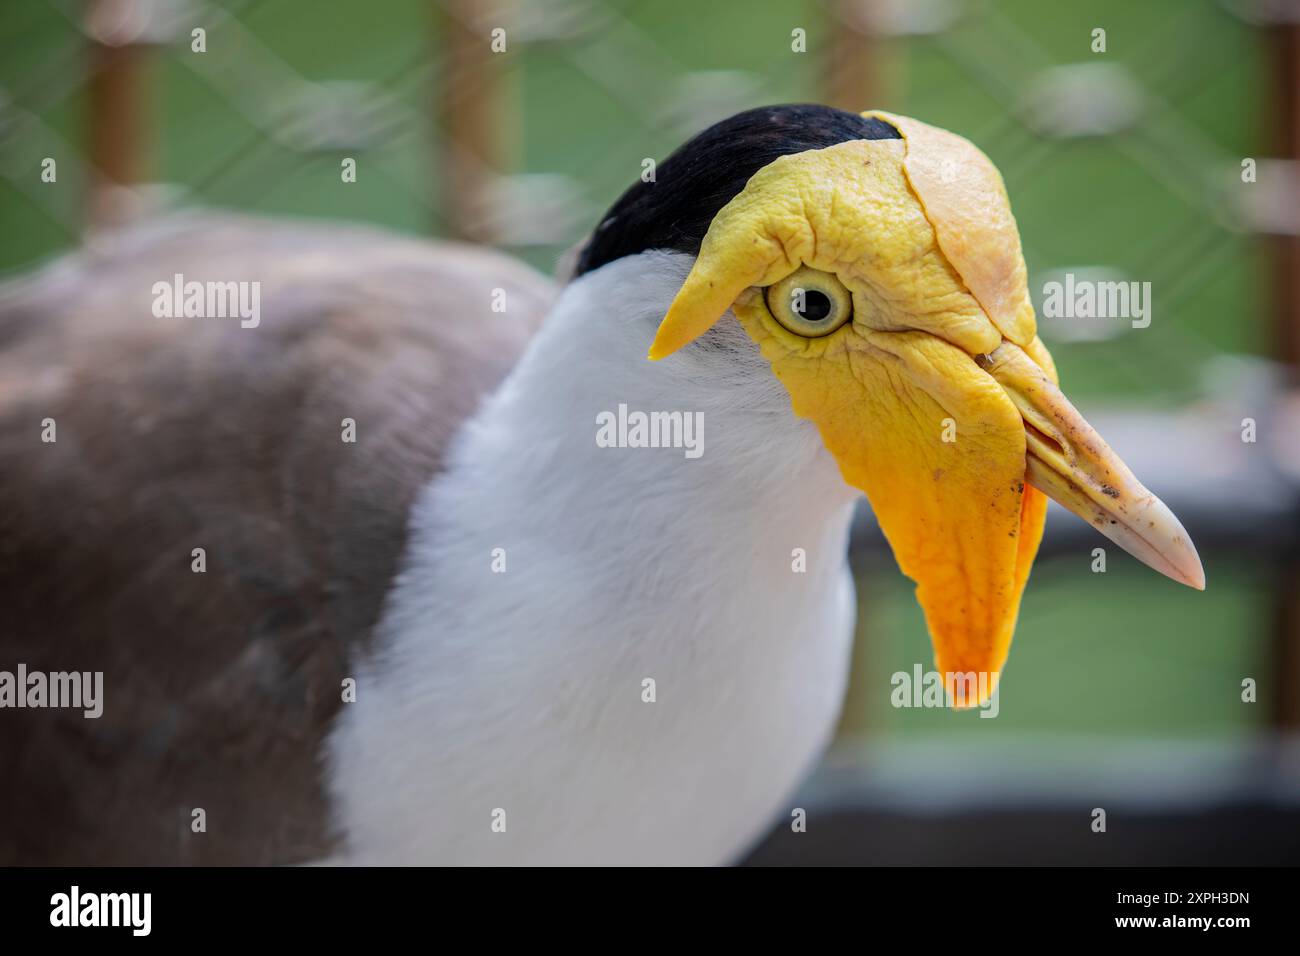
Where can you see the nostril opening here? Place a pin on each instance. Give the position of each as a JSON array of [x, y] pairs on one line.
[[1051, 443]]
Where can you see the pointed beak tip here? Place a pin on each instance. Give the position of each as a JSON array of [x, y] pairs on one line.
[[1173, 547], [1159, 540], [1193, 571]]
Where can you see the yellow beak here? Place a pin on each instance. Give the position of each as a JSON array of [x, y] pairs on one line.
[[1068, 461]]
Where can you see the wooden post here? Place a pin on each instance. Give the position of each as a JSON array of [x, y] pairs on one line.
[[476, 112], [852, 79], [1284, 39], [119, 140]]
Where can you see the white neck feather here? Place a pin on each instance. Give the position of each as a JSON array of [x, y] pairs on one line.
[[523, 690]]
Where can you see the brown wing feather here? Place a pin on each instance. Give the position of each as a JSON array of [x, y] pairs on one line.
[[175, 434]]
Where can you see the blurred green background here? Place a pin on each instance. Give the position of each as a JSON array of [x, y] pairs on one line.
[[595, 87]]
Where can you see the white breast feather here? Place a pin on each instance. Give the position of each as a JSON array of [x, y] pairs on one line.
[[522, 691]]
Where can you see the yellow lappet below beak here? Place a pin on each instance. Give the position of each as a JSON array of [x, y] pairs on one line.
[[936, 398]]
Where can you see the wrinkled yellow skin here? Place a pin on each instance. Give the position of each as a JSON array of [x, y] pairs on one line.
[[902, 227]]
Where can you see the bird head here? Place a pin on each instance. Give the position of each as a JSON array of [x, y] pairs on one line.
[[883, 281]]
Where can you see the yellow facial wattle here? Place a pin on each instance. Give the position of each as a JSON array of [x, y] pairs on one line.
[[923, 394]]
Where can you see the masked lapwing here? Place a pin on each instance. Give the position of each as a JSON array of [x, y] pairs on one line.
[[379, 566]]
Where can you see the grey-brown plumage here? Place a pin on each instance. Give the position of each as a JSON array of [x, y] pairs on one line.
[[183, 433]]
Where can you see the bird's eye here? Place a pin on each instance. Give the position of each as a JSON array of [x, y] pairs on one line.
[[810, 303]]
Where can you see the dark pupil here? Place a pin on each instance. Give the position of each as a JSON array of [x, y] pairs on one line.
[[816, 306]]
